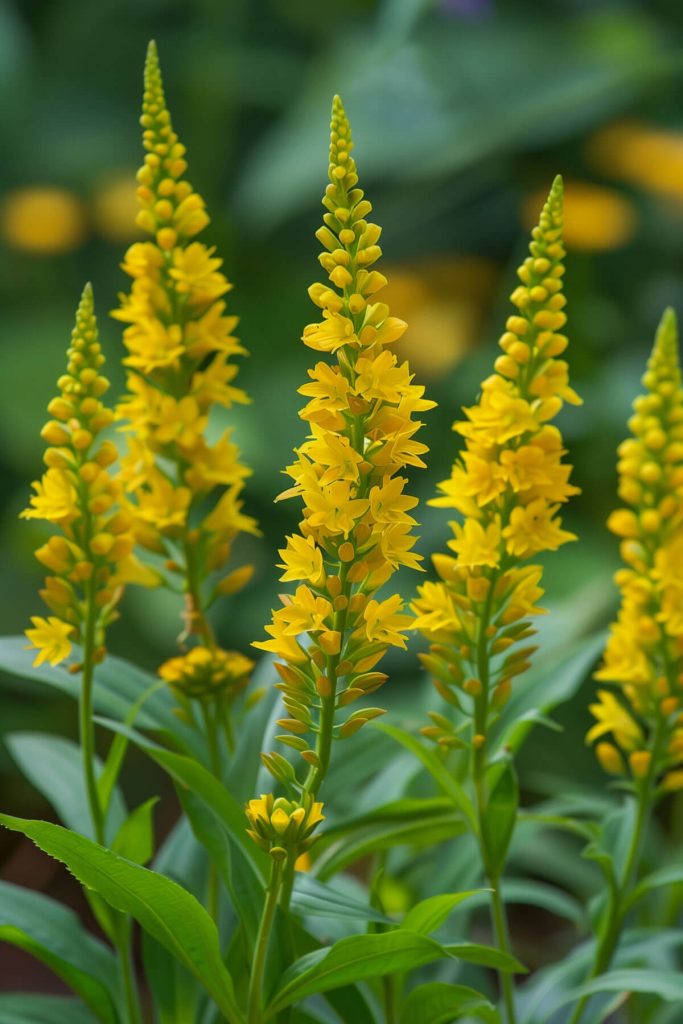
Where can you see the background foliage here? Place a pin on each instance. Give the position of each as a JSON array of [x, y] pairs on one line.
[[463, 111]]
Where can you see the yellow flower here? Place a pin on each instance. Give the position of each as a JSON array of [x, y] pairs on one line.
[[356, 529], [205, 674], [92, 557], [183, 484], [508, 483], [51, 639], [43, 220], [644, 652], [284, 826]]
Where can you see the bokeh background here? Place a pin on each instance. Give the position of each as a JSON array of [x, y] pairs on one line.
[[462, 111]]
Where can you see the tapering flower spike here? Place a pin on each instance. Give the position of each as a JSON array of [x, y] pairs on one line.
[[508, 483], [356, 528], [184, 492], [644, 654], [90, 556]]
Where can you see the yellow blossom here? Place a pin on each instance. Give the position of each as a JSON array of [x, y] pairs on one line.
[[283, 826], [508, 483], [92, 556], [183, 484], [361, 412], [644, 652]]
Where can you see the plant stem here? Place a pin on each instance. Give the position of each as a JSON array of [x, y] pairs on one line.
[[611, 926], [500, 927], [128, 983], [85, 713], [262, 942], [215, 765]]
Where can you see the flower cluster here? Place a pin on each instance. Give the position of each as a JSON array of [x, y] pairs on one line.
[[184, 492], [91, 557], [356, 528], [508, 484], [284, 827], [644, 653]]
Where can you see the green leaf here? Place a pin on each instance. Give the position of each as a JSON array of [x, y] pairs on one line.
[[118, 685], [54, 765], [313, 897], [416, 823], [167, 911], [551, 682], [119, 746], [192, 775], [436, 769], [55, 936], [529, 892], [353, 959], [174, 990], [26, 1008], [500, 817], [135, 838], [439, 1003], [670, 875], [668, 985], [486, 956], [428, 915]]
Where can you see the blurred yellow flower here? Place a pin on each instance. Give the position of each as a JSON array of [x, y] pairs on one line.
[[115, 205], [596, 219], [638, 153], [443, 301], [44, 220]]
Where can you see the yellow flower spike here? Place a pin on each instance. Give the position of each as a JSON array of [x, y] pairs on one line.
[[509, 482], [281, 824], [644, 652], [92, 555], [180, 346], [356, 529]]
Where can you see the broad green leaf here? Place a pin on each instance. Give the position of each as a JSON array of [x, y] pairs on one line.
[[170, 913], [55, 936], [436, 769], [550, 682], [118, 685], [313, 897], [529, 892], [27, 1008], [174, 990], [428, 823], [54, 765], [439, 1003], [135, 838], [428, 915], [188, 772], [668, 985], [354, 959], [486, 956], [500, 817], [119, 746], [670, 875]]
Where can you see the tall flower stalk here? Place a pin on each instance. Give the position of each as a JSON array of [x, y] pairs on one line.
[[508, 484], [90, 557], [184, 490], [638, 723], [356, 530]]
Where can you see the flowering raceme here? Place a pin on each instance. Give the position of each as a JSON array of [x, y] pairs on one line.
[[508, 483], [91, 557], [184, 492], [356, 528], [644, 653]]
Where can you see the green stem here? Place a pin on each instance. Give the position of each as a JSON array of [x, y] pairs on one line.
[[215, 765], [128, 982], [254, 1015], [614, 919], [86, 725], [500, 928]]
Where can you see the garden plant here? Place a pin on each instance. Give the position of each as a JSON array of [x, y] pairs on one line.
[[329, 863]]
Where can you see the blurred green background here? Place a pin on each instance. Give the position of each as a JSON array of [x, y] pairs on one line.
[[462, 111]]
